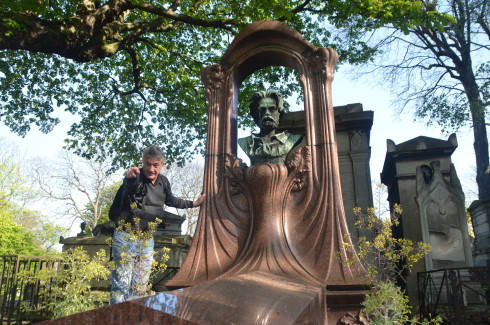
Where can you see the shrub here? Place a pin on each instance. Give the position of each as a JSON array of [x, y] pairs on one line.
[[385, 258], [66, 288]]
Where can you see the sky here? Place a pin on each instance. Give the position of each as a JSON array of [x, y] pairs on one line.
[[386, 125]]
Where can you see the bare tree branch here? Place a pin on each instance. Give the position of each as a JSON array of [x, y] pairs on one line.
[[78, 184]]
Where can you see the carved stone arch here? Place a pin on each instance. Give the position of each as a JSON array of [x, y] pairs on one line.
[[309, 223]]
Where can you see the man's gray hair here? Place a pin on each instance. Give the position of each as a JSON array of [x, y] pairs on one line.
[[258, 96], [154, 152]]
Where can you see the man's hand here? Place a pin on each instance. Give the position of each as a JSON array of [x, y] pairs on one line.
[[199, 201], [132, 172]]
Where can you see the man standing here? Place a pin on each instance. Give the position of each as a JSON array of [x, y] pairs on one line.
[[266, 108], [145, 192]]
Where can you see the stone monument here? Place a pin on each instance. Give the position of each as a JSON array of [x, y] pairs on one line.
[[280, 220], [269, 243], [352, 132], [420, 176], [480, 217]]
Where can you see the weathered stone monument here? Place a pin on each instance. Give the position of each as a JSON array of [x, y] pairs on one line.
[[480, 217], [420, 176], [269, 244], [352, 132]]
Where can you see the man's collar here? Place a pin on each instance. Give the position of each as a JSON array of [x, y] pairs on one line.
[[281, 137], [159, 179], [146, 180]]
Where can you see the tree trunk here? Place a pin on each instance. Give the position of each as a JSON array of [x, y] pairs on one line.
[[480, 135]]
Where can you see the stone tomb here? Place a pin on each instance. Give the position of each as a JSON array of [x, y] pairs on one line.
[[268, 248], [421, 177], [352, 133]]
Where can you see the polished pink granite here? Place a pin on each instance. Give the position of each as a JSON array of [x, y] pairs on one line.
[[254, 298]]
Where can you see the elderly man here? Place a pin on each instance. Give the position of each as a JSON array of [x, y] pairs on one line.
[[145, 192], [266, 108]]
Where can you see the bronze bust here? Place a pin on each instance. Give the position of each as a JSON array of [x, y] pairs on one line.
[[266, 108]]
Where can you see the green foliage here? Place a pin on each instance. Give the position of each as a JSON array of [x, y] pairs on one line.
[[450, 112], [387, 304], [44, 232], [385, 258], [137, 260], [47, 9], [14, 238], [134, 80], [66, 288], [14, 184], [483, 73], [48, 234], [22, 227], [401, 14]]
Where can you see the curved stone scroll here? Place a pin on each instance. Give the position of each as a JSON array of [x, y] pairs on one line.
[[286, 220]]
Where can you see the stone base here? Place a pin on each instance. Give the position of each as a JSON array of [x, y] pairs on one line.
[[344, 304], [480, 217], [126, 313], [255, 298]]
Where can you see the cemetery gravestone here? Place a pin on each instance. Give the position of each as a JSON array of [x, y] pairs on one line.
[[269, 245]]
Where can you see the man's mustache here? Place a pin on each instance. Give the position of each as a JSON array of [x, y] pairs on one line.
[[268, 118]]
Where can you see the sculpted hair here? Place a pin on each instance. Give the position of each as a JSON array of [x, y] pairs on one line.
[[258, 96], [154, 152]]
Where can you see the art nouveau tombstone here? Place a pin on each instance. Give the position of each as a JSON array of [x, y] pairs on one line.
[[268, 247], [286, 220]]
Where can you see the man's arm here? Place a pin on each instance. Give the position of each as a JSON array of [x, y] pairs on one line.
[[130, 181], [172, 201], [199, 201]]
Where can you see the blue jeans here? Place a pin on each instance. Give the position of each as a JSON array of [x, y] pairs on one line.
[[132, 259]]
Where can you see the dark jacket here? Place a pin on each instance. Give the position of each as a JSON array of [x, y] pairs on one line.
[[149, 199]]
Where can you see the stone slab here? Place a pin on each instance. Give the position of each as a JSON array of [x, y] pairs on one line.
[[254, 298], [126, 313]]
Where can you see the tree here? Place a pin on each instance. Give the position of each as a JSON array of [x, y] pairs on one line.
[[14, 238], [79, 183], [14, 187], [23, 226], [128, 70], [46, 234], [445, 73], [187, 183], [106, 198]]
